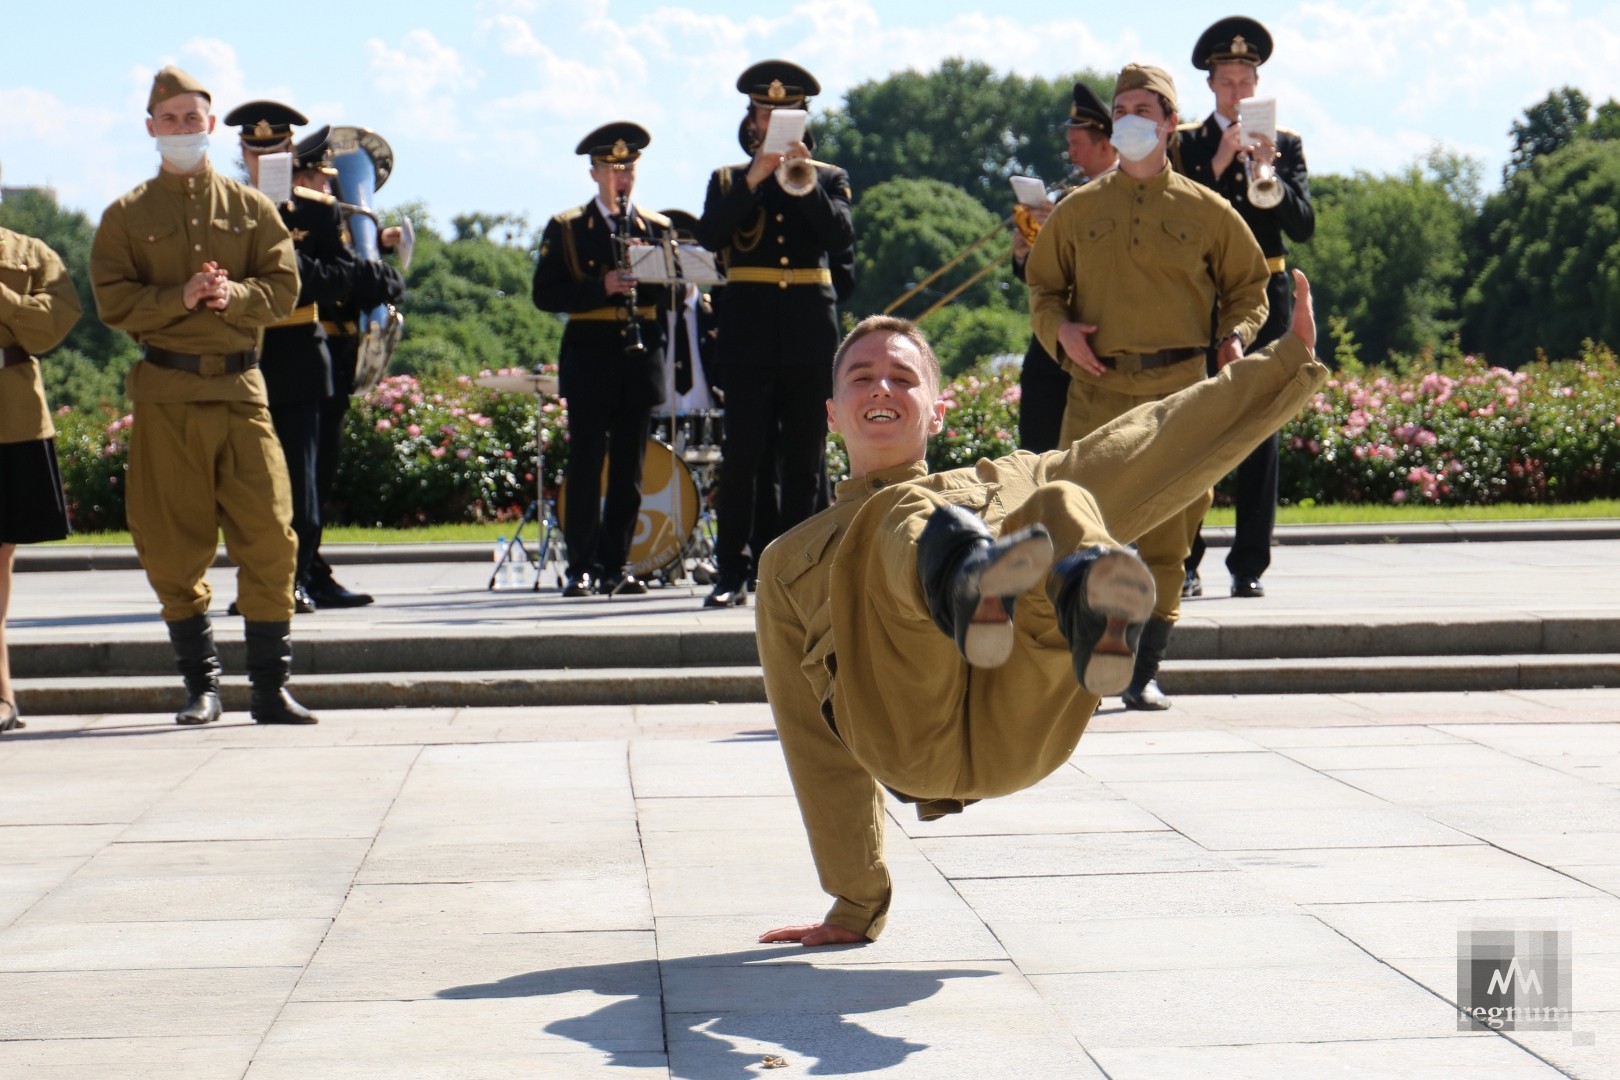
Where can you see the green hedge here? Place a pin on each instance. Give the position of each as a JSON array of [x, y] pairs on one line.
[[1454, 432]]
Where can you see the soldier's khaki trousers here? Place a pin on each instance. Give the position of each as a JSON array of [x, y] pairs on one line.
[[197, 469], [905, 704], [1166, 546]]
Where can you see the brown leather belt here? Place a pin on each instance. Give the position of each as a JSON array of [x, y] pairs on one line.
[[234, 363], [12, 355], [1146, 361]]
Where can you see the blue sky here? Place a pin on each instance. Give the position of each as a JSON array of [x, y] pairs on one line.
[[483, 102]]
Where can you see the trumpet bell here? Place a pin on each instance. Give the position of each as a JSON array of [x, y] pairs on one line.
[[797, 177], [1265, 190]]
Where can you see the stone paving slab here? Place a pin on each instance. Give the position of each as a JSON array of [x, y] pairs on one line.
[[1266, 888]]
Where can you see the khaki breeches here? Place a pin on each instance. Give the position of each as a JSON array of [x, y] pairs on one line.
[[197, 469], [1164, 547]]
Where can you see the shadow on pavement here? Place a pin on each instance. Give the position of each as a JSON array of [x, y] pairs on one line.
[[712, 1003]]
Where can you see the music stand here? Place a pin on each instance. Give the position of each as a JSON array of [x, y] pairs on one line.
[[548, 546]]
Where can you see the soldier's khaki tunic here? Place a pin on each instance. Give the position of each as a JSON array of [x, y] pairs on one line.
[[1145, 261], [865, 689], [203, 454], [37, 308]]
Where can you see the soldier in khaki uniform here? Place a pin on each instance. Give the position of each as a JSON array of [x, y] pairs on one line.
[[1122, 281], [868, 693], [194, 265], [37, 309]]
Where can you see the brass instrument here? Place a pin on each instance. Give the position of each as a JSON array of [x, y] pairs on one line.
[[633, 345], [1021, 218], [1265, 190], [364, 161], [796, 176]]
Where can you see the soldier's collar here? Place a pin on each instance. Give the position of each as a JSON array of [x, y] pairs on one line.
[[176, 182], [873, 482]]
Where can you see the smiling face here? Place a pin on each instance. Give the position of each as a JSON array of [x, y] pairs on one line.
[[885, 402]]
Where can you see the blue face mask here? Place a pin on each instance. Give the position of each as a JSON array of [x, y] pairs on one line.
[[1135, 137]]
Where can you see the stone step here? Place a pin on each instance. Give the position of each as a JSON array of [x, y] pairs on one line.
[[536, 688]]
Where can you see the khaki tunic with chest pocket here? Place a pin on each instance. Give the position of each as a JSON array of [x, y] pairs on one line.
[[37, 309]]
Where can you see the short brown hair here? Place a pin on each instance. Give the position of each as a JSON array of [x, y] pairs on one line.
[[890, 324]]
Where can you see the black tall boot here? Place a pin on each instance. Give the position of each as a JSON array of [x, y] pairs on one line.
[[269, 665], [971, 580], [1102, 596], [198, 664], [1144, 692]]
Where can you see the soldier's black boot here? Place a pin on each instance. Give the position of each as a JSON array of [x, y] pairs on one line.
[[269, 665], [1144, 692], [198, 664], [1102, 596], [971, 580]]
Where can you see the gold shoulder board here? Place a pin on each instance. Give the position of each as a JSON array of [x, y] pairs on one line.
[[655, 218], [314, 196]]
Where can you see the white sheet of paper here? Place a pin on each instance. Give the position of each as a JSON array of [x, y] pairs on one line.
[[787, 126], [697, 265], [647, 263], [1258, 115], [275, 176], [1029, 190]]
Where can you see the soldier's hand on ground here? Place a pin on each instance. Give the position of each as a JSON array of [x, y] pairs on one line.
[[1075, 341], [1230, 349], [811, 934], [1304, 325]]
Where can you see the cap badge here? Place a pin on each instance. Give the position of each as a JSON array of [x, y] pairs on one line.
[[620, 151], [261, 130], [1239, 46], [776, 91]]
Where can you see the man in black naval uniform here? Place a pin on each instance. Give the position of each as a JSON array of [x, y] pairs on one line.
[[1213, 153], [297, 368], [778, 319], [610, 384], [375, 282], [1043, 384]]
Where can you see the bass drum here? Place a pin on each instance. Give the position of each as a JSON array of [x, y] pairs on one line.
[[669, 512]]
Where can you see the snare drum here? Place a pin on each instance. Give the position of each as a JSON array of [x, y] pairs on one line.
[[669, 510]]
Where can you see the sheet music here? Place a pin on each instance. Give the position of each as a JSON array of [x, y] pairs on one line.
[[696, 265], [275, 176], [1029, 190], [665, 264], [649, 263], [1258, 116], [787, 126]]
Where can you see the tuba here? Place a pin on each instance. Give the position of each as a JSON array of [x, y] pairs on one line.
[[364, 161]]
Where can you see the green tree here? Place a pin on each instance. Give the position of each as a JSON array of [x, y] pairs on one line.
[[905, 229], [1388, 259], [1551, 268], [961, 123], [1548, 126]]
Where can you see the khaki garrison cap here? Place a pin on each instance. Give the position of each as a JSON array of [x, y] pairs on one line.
[[172, 82], [1147, 77]]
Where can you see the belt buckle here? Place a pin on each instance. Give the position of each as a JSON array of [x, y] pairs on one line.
[[210, 364]]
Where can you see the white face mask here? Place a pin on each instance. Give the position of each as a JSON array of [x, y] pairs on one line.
[[183, 152], [1135, 137]]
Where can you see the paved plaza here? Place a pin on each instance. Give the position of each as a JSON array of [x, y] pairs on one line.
[[1245, 886]]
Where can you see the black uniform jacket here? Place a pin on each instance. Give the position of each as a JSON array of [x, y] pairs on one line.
[[1293, 217], [576, 253], [296, 364], [375, 283], [777, 322]]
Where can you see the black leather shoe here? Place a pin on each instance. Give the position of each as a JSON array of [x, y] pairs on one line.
[[728, 591], [972, 578], [625, 585], [327, 593], [1193, 585], [1103, 597], [1147, 699], [1248, 587], [580, 584]]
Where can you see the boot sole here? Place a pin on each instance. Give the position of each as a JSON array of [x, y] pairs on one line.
[[1119, 588], [1019, 567]]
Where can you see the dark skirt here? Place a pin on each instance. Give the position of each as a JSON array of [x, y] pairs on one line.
[[32, 508]]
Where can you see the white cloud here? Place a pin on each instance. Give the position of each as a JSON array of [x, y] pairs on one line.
[[422, 77]]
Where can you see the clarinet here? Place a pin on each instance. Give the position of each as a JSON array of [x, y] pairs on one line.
[[633, 345]]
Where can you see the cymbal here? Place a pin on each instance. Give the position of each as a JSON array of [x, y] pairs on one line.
[[521, 382]]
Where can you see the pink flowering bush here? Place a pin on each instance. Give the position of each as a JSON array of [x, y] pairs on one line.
[[1460, 433], [92, 452]]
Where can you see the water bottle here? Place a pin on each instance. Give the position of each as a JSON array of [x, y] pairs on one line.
[[503, 565]]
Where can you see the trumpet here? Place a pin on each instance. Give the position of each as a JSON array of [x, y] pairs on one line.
[[796, 176], [1265, 190]]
